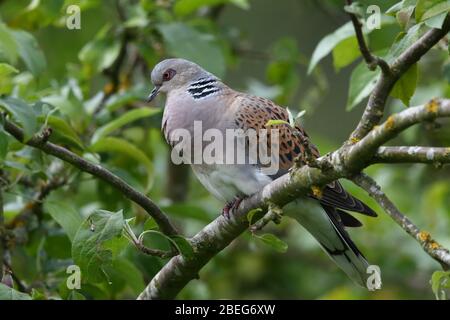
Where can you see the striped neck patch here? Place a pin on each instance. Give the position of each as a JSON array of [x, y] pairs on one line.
[[203, 87]]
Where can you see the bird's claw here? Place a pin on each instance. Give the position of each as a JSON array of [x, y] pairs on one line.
[[231, 207]]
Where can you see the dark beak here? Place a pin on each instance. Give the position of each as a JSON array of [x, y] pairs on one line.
[[153, 94]]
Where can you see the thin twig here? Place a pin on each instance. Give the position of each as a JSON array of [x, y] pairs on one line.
[[97, 170], [371, 60], [431, 247], [374, 110]]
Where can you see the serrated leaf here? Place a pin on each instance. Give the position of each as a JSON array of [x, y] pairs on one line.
[[7, 293], [362, 83], [406, 86], [186, 42], [88, 249], [112, 144], [121, 121], [65, 215], [274, 242], [23, 113], [30, 52], [330, 41]]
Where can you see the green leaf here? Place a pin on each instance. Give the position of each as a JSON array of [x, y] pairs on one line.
[[3, 144], [37, 295], [65, 215], [63, 129], [186, 42], [423, 6], [186, 210], [436, 21], [30, 52], [362, 83], [274, 122], [6, 70], [405, 40], [131, 274], [438, 9], [345, 53], [404, 16], [112, 144], [88, 249], [23, 113], [274, 242], [75, 295], [8, 45], [406, 86], [185, 7], [183, 246], [395, 8], [101, 52], [7, 293], [124, 119], [440, 280], [329, 42], [251, 214]]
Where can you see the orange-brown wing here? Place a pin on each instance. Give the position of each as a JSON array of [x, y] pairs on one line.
[[255, 112]]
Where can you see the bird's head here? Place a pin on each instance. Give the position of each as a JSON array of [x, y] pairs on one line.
[[171, 74]]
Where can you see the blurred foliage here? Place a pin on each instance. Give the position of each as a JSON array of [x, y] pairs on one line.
[[88, 85]]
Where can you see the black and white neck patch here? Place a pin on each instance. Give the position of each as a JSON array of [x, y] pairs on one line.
[[203, 88]]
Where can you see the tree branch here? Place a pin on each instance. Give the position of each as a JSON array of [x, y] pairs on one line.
[[371, 60], [362, 152], [377, 100], [298, 182], [414, 154], [431, 247], [39, 142]]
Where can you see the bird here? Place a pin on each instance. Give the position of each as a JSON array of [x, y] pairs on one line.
[[194, 95]]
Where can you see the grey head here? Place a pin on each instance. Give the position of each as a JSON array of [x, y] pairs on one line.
[[176, 73]]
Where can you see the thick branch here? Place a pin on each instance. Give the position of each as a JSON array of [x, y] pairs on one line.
[[431, 247], [414, 154], [377, 100], [360, 154], [221, 232], [128, 191]]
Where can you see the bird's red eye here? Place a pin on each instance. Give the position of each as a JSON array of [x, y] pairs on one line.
[[168, 74]]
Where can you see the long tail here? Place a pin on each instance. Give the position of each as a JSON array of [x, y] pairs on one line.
[[321, 222]]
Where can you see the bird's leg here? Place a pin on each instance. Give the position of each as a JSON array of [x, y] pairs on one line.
[[231, 207]]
